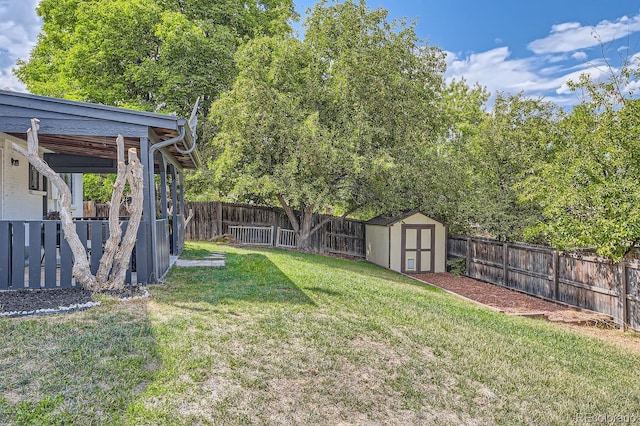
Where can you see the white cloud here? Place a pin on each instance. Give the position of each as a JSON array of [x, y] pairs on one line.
[[632, 88], [565, 27], [537, 76], [580, 56], [19, 28], [492, 69], [572, 36]]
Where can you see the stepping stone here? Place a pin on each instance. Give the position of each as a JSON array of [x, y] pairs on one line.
[[183, 263], [216, 256]]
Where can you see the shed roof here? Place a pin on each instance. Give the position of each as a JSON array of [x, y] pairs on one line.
[[386, 220], [82, 128]]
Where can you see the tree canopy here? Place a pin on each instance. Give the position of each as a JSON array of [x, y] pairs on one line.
[[354, 116], [329, 121], [588, 189], [157, 55]]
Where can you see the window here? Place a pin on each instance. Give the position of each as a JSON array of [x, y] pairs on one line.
[[36, 180], [68, 179]]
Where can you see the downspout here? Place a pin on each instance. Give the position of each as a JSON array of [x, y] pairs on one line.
[[152, 190]]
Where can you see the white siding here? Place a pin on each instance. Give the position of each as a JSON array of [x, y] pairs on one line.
[[18, 203], [378, 245]]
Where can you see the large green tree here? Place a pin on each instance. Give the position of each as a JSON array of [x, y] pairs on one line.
[[509, 142], [588, 190], [157, 55], [331, 121]]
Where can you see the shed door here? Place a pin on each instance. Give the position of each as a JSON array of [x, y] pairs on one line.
[[418, 248]]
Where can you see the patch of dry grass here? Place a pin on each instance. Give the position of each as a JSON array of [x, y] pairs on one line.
[[279, 337]]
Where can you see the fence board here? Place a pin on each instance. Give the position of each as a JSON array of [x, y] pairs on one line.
[[66, 262], [51, 238], [286, 238], [581, 281], [210, 219], [34, 251], [5, 261], [38, 255], [17, 254]]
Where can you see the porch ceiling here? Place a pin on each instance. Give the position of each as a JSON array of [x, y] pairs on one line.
[[102, 146]]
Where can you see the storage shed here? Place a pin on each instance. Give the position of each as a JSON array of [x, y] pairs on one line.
[[409, 243]]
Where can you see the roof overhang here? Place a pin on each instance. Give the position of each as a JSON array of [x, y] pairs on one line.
[[388, 220], [90, 130]]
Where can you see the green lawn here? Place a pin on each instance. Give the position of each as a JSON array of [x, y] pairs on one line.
[[278, 337]]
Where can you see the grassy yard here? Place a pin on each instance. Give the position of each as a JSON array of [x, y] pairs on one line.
[[286, 338]]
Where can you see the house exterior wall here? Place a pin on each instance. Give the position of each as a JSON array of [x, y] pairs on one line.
[[18, 202], [377, 244], [440, 241]]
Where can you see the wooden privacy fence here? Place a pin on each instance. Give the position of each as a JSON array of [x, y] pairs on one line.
[[583, 281], [213, 218]]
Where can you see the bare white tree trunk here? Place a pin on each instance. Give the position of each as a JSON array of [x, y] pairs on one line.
[[117, 254], [81, 269], [115, 230], [123, 255]]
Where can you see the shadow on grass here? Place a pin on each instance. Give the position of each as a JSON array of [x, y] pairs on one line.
[[245, 278], [358, 266], [81, 368]]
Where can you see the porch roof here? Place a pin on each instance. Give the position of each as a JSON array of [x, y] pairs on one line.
[[90, 130]]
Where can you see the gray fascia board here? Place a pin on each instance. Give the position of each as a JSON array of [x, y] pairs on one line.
[[74, 127], [84, 109]]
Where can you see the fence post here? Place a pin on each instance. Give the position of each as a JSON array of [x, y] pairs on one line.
[[469, 256], [556, 281], [219, 218], [505, 264], [623, 296], [273, 230]]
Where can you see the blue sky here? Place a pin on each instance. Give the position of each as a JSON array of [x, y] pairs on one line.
[[508, 45], [530, 46]]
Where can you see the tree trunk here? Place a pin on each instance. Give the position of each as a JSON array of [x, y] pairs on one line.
[[290, 213], [303, 228], [306, 232], [117, 254], [81, 268], [115, 229]]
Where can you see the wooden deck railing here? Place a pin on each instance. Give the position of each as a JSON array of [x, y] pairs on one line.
[[34, 254]]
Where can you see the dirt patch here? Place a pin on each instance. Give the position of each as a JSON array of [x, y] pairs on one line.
[[500, 298]]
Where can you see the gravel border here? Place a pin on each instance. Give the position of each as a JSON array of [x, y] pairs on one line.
[[20, 303]]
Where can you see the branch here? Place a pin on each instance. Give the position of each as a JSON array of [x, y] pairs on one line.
[[123, 255], [328, 219], [290, 213], [81, 269]]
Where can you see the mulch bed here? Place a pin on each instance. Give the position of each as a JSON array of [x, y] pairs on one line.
[[511, 301], [15, 303]]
